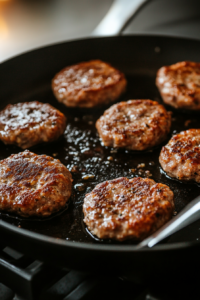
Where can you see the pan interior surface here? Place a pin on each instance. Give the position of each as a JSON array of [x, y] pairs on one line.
[[80, 149]]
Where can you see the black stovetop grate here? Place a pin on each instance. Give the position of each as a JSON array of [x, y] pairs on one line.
[[23, 278]]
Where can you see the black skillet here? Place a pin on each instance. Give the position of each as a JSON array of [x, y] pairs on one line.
[[63, 239]]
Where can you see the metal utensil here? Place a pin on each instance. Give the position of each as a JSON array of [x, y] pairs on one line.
[[116, 19], [188, 215]]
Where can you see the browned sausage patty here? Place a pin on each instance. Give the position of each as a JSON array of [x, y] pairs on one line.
[[33, 185], [127, 208], [27, 124], [180, 158], [179, 85], [88, 84], [135, 124]]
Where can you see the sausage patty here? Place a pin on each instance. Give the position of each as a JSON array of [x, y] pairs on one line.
[[180, 158], [135, 124], [33, 185], [88, 84], [179, 85], [27, 124], [127, 208]]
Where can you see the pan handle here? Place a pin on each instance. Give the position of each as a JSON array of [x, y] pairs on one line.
[[188, 215], [118, 17]]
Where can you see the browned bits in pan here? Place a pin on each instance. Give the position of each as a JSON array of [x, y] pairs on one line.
[[125, 208], [88, 176], [27, 124], [80, 187], [187, 122], [142, 165], [88, 84], [110, 158], [33, 185], [135, 124], [179, 85], [180, 158], [148, 173]]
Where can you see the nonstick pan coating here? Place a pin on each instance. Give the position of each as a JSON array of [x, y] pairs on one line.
[[28, 77]]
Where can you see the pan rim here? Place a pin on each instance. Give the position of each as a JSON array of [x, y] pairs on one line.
[[94, 247], [89, 38]]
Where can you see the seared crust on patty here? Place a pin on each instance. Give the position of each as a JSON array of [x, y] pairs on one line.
[[33, 185], [88, 84], [127, 208], [135, 124], [27, 124], [180, 158], [179, 85]]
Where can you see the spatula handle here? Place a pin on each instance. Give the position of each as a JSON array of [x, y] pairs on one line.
[[118, 16], [188, 215]]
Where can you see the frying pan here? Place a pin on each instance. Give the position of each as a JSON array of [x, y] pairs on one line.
[[63, 239]]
